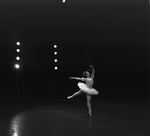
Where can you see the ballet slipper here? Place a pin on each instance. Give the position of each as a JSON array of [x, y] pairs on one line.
[[90, 113]]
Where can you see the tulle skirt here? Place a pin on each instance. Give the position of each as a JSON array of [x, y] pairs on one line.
[[87, 90]]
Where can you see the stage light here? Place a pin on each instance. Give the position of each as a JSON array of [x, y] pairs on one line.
[[55, 46], [17, 66], [56, 68], [18, 50], [18, 43], [17, 58], [55, 60], [55, 53]]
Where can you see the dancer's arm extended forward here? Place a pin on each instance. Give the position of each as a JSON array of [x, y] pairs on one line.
[[77, 78]]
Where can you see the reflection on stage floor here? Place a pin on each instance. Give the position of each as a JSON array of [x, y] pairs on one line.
[[64, 119]]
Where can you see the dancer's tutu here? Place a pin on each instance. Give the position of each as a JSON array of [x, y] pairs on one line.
[[87, 90]]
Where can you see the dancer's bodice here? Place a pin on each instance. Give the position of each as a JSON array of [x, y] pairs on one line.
[[89, 82]]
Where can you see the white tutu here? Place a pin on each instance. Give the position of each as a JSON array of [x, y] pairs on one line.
[[86, 89]]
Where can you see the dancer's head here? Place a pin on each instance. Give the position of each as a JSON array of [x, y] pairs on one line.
[[86, 73]]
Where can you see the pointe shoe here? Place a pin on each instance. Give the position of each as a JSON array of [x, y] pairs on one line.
[[90, 113]]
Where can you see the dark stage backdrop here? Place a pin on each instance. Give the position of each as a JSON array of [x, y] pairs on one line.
[[110, 34]]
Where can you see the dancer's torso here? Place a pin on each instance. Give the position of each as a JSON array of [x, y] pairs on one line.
[[89, 82]]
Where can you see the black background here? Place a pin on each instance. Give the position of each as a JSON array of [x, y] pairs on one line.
[[110, 34]]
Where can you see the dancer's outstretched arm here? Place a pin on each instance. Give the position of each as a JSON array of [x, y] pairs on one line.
[[77, 78]]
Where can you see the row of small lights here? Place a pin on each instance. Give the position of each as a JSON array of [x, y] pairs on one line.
[[55, 59], [17, 65], [55, 52]]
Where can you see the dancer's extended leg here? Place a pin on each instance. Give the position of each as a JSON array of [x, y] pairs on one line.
[[75, 94], [88, 96]]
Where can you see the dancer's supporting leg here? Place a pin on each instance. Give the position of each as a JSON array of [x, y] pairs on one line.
[[75, 94], [88, 96]]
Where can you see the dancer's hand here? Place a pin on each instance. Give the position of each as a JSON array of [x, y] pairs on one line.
[[70, 77], [91, 65]]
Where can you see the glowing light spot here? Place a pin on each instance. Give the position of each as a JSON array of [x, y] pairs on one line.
[[17, 66], [55, 46], [18, 50], [17, 58], [18, 43], [55, 53], [55, 60], [56, 68], [63, 1]]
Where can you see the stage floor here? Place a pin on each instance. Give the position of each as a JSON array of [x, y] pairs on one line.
[[70, 118]]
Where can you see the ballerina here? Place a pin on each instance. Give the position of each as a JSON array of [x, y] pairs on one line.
[[86, 88]]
